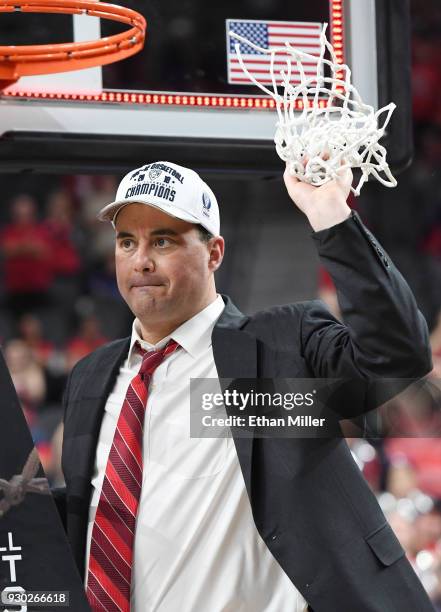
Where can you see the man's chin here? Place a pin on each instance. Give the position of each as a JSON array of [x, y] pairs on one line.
[[148, 306]]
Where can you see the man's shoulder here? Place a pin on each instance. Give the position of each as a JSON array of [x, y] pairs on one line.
[[111, 348], [295, 311], [284, 312], [279, 326]]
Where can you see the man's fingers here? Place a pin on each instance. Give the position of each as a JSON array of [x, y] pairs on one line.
[[345, 175], [290, 180]]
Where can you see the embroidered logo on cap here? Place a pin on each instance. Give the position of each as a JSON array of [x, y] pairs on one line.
[[206, 203], [154, 173], [135, 174]]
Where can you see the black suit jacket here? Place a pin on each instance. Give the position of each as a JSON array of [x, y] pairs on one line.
[[310, 502]]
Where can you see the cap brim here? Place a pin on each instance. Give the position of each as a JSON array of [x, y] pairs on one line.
[[109, 212]]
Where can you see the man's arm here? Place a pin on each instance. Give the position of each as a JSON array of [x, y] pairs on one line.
[[384, 336]]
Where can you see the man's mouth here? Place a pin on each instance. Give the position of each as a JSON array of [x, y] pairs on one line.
[[145, 285]]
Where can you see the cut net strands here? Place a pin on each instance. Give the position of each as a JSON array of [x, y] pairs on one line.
[[334, 129]]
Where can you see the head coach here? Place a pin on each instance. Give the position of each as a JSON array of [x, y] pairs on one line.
[[161, 522]]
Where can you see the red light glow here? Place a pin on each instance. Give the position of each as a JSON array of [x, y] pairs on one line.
[[336, 29]]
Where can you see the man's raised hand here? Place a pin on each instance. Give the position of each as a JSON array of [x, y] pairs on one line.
[[324, 206]]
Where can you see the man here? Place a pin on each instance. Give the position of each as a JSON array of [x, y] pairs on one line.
[[261, 524]]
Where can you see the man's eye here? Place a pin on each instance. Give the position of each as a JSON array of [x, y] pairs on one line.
[[162, 242], [126, 243]]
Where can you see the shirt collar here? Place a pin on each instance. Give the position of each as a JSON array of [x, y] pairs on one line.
[[193, 336]]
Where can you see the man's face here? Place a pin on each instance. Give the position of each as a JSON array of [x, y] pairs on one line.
[[163, 269]]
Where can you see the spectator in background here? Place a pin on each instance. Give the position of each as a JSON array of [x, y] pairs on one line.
[[419, 534], [28, 377], [53, 469], [428, 183], [402, 478], [426, 77], [327, 292], [31, 332], [27, 250], [415, 415], [101, 191], [403, 526], [66, 261], [430, 180], [435, 342], [114, 316], [102, 281], [428, 530], [88, 338], [424, 454], [60, 226]]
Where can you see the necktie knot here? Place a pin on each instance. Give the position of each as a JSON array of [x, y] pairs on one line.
[[152, 359]]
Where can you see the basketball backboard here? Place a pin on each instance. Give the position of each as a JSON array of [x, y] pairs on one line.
[[181, 97]]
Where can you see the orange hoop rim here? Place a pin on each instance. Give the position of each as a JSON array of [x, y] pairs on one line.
[[26, 60]]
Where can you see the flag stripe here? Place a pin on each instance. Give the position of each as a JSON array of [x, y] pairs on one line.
[[295, 24], [299, 46], [257, 71], [268, 61], [246, 81], [299, 37]]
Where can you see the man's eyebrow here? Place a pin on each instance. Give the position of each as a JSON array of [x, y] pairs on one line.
[[120, 235], [165, 230]]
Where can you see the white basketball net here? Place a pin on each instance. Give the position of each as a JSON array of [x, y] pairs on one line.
[[335, 129]]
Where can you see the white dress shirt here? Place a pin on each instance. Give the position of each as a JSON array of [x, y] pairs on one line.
[[196, 545]]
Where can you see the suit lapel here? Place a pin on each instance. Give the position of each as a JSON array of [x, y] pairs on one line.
[[91, 397], [235, 356]]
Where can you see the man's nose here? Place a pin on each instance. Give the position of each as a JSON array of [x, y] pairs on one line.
[[144, 261]]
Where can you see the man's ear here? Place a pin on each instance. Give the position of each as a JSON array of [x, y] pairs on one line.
[[216, 247]]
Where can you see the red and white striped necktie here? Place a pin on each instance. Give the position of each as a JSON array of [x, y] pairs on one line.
[[111, 547]]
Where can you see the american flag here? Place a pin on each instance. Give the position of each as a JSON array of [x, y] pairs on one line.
[[304, 36]]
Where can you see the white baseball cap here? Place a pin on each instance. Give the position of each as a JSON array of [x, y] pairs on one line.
[[177, 191]]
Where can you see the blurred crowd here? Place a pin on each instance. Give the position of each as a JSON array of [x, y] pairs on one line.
[[59, 301], [59, 298]]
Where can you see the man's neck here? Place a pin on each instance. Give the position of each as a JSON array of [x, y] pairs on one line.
[[154, 334]]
